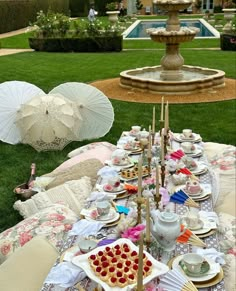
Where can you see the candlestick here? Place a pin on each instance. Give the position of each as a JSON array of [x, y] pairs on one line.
[[140, 265], [154, 120], [147, 220], [167, 115], [149, 153], [166, 119], [162, 175], [165, 144], [140, 174], [161, 126], [157, 196], [162, 151], [139, 206], [162, 108]]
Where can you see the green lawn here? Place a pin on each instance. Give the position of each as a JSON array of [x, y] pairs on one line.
[[215, 121]]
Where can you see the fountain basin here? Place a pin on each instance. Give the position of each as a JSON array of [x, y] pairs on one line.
[[195, 79]]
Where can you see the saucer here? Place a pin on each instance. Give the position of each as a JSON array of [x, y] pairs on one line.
[[211, 273], [205, 267], [201, 169], [198, 226], [196, 153], [114, 189], [180, 138]]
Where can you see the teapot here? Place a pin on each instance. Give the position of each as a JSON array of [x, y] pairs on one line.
[[166, 227]]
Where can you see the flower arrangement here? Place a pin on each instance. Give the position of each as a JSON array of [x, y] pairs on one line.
[[51, 23], [112, 6], [133, 233]]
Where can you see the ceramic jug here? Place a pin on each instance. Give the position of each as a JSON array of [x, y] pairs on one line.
[[166, 227]]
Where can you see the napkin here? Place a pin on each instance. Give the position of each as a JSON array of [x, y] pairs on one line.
[[65, 274], [107, 172], [211, 253], [85, 228], [100, 196], [211, 216]]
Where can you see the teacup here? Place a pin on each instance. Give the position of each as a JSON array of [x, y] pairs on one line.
[[119, 157], [114, 182], [191, 220], [187, 133], [86, 245], [193, 262], [135, 129], [188, 147], [193, 187], [103, 208]]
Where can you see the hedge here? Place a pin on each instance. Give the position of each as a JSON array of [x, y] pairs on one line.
[[16, 14], [88, 44], [228, 42]]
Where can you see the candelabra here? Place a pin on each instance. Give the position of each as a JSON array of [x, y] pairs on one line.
[[139, 205]]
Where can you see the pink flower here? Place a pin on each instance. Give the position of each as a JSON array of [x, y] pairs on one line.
[[108, 187], [94, 214], [67, 227], [5, 248], [133, 233], [24, 238], [56, 216], [232, 251]]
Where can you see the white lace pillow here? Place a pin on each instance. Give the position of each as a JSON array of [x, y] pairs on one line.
[[72, 194]]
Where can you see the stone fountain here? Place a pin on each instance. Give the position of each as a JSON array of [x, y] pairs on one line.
[[172, 76]]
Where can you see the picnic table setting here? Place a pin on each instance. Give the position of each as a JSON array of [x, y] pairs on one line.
[[149, 221]]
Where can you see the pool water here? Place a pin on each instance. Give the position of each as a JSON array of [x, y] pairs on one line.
[[138, 29]]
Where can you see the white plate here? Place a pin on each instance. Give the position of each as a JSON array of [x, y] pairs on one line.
[[120, 167], [179, 137], [115, 216], [118, 190], [82, 262], [196, 153], [204, 278], [201, 230], [201, 169], [206, 190], [131, 179]]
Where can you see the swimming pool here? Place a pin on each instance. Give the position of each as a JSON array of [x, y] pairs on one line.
[[138, 29]]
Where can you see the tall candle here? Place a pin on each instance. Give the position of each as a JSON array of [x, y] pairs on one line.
[[140, 265], [166, 119], [154, 120], [162, 151], [162, 108], [148, 220], [149, 153], [157, 180], [140, 172]]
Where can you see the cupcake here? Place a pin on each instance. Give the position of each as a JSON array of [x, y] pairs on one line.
[[104, 276], [112, 281], [122, 282]]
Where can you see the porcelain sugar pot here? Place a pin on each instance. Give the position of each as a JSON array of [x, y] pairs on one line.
[[166, 227]]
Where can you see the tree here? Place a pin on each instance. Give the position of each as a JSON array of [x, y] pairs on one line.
[[139, 4]]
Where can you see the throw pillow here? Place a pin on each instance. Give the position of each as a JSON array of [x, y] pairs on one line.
[[87, 168], [53, 223], [72, 194]]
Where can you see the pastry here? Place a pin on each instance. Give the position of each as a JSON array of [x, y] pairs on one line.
[[118, 266]]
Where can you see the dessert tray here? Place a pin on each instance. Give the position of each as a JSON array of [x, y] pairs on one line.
[[132, 174], [181, 138], [212, 271], [128, 253]]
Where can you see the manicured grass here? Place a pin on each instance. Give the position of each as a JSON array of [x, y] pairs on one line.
[[214, 121]]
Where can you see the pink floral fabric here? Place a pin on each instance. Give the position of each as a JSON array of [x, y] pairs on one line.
[[53, 223], [226, 161]]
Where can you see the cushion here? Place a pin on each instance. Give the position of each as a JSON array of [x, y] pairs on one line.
[[27, 268], [72, 193], [105, 147], [222, 158], [86, 168], [53, 223]]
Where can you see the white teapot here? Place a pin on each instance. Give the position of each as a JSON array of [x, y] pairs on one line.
[[166, 227]]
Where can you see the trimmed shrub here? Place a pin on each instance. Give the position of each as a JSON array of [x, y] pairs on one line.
[[228, 42], [16, 14], [88, 44]]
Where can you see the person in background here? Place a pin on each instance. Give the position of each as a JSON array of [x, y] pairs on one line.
[[91, 15], [121, 8]]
